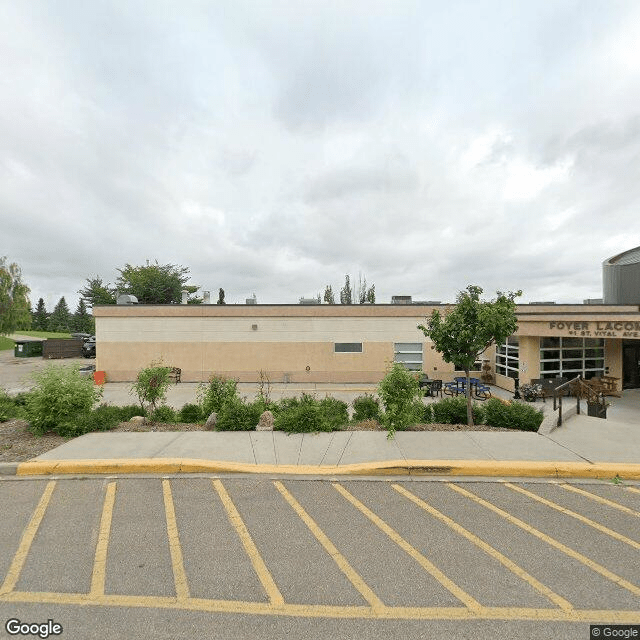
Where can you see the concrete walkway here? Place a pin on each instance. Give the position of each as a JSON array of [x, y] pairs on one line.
[[582, 447]]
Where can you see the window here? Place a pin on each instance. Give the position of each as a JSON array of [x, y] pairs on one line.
[[409, 354], [507, 358], [347, 347], [570, 357]]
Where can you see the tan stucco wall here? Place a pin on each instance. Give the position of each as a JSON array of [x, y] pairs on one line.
[[283, 340]]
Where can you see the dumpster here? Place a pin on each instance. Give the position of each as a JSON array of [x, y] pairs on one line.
[[28, 348]]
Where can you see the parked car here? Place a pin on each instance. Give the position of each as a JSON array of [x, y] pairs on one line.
[[89, 347]]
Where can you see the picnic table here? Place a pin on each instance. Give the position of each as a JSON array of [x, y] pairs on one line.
[[478, 390]]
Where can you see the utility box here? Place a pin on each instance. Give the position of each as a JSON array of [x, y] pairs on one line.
[[28, 348]]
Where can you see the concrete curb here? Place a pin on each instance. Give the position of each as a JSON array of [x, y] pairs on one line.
[[491, 468], [8, 468]]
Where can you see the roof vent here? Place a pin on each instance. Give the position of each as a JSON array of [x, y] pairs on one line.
[[125, 298]]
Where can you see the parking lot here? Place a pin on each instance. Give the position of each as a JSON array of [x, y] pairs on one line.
[[366, 551]]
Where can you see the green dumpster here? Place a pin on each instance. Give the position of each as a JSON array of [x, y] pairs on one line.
[[28, 348]]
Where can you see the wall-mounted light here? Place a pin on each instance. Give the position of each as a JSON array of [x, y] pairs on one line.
[[254, 327]]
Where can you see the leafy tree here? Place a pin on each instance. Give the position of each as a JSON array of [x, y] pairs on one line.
[[154, 283], [346, 293], [82, 321], [151, 385], [221, 297], [329, 297], [60, 318], [40, 317], [371, 294], [95, 292], [362, 289], [14, 299], [470, 328]]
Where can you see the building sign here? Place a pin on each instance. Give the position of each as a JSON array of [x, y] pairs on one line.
[[597, 328]]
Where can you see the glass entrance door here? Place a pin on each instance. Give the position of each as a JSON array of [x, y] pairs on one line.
[[631, 365]]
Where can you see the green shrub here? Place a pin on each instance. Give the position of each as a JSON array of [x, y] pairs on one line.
[[398, 390], [163, 414], [216, 393], [299, 415], [306, 414], [423, 413], [151, 385], [237, 415], [454, 411], [101, 418], [516, 415], [366, 407], [190, 413], [60, 394], [334, 413], [9, 409], [128, 411]]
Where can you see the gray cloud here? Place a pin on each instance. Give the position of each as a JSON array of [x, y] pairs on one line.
[[272, 148]]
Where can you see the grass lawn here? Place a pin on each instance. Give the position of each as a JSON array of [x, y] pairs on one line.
[[8, 343], [44, 334]]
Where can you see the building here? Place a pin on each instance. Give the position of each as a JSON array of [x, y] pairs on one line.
[[357, 343]]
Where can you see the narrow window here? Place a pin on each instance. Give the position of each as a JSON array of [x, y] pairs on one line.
[[347, 347]]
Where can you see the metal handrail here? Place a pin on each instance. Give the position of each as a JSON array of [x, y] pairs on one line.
[[582, 386]]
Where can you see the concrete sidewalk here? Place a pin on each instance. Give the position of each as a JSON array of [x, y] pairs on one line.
[[583, 447]]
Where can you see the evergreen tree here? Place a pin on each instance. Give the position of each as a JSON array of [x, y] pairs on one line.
[[40, 317], [96, 292], [221, 296], [82, 321], [60, 319], [346, 294]]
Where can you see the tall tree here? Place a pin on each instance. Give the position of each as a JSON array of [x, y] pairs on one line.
[[60, 318], [472, 326], [346, 293], [221, 296], [82, 320], [371, 294], [40, 317], [14, 299], [362, 289], [329, 297], [155, 283], [95, 292]]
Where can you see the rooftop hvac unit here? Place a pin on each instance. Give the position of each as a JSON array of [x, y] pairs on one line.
[[400, 299], [125, 298]]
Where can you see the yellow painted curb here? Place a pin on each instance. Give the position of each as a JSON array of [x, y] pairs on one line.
[[492, 468]]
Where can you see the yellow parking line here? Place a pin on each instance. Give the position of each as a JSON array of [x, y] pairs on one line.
[[632, 489], [259, 566], [600, 499], [603, 571], [179, 575], [27, 538], [565, 605], [573, 514], [603, 616], [338, 558], [100, 559], [426, 564]]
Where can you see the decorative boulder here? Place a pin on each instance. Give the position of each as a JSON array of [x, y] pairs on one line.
[[138, 420], [266, 421], [211, 422]]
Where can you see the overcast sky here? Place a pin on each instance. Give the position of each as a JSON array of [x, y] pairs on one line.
[[274, 146]]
